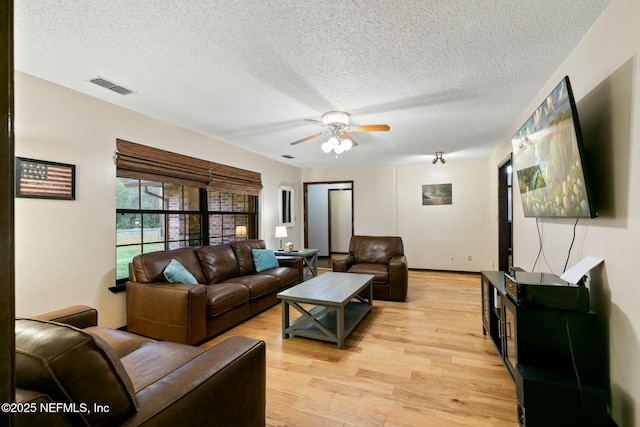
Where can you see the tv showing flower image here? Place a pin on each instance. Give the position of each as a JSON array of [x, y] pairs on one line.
[[548, 158]]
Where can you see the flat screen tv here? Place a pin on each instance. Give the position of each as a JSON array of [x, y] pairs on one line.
[[549, 160]]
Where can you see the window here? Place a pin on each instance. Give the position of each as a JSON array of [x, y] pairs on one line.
[[155, 216], [285, 206], [166, 200], [232, 216]]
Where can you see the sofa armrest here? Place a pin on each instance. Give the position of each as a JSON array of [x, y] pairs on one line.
[[295, 262], [167, 312], [344, 263], [80, 316], [398, 277], [223, 386]]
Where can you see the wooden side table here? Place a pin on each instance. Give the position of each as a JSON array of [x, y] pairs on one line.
[[309, 258]]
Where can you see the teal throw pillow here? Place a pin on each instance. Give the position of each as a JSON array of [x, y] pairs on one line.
[[264, 259], [176, 273]]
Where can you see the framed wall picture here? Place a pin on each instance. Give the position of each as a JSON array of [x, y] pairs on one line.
[[437, 194], [45, 180]]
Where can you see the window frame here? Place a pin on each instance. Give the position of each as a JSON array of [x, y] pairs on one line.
[[286, 203], [204, 212]]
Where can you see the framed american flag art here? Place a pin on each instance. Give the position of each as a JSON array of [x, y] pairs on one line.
[[45, 180]]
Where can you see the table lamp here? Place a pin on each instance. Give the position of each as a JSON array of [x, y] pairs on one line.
[[281, 231], [241, 231]]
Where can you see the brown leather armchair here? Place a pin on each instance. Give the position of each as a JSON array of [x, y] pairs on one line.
[[382, 256], [69, 371]]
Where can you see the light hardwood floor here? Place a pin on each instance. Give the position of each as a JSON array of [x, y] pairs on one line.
[[424, 362]]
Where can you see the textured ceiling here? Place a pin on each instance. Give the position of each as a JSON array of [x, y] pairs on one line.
[[445, 75]]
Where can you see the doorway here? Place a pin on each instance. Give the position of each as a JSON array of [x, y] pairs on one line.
[[340, 220], [328, 217], [505, 214]]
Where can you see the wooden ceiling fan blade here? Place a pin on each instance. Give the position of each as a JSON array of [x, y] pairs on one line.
[[369, 128], [307, 138]]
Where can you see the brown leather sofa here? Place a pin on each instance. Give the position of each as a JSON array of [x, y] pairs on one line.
[[71, 372], [229, 291], [382, 256]]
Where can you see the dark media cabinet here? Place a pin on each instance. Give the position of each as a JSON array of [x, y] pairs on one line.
[[556, 357]]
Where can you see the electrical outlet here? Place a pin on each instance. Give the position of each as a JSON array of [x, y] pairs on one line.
[[469, 258]]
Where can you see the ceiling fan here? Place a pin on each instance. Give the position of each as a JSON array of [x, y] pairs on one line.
[[337, 126]]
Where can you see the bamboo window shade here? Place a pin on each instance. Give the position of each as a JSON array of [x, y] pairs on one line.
[[148, 163], [234, 180]]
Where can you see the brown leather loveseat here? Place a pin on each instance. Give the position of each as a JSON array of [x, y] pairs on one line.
[[228, 291], [69, 371], [382, 256]]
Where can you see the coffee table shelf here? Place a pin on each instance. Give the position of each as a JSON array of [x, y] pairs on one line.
[[354, 312]]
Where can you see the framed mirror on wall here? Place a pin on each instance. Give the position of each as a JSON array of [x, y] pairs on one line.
[[286, 206]]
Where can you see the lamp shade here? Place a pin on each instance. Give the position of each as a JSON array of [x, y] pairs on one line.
[[281, 231]]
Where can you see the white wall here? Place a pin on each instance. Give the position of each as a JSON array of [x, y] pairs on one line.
[[445, 237], [65, 250], [374, 193], [388, 201], [605, 77]]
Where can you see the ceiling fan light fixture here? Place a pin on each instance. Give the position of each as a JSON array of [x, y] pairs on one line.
[[337, 128], [335, 117], [337, 144]]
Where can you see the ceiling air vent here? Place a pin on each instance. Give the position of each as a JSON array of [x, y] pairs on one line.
[[100, 81]]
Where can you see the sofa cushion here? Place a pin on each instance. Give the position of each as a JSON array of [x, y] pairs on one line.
[[71, 365], [222, 297], [149, 267], [258, 284], [380, 271], [242, 250], [218, 263], [176, 273], [286, 276], [264, 259]]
